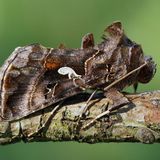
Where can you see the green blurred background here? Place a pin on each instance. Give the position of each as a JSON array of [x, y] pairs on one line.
[[51, 22]]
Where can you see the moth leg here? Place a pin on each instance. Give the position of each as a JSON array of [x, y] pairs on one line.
[[116, 101], [87, 105], [59, 92], [96, 118], [48, 121], [135, 86], [123, 77]]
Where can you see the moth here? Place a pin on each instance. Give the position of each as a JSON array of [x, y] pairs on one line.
[[35, 77]]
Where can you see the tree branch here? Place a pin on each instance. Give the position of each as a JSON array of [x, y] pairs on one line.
[[138, 121]]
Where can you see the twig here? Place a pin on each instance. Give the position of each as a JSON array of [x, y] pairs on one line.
[[138, 121]]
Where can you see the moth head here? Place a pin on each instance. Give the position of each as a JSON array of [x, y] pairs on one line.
[[148, 71], [137, 58]]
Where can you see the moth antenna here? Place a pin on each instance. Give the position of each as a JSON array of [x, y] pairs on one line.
[[87, 104], [123, 77]]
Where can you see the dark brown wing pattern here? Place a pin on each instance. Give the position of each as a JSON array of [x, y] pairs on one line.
[[30, 81]]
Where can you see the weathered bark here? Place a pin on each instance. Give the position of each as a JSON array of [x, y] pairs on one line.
[[138, 121]]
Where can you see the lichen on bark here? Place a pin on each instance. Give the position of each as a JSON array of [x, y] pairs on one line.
[[139, 121]]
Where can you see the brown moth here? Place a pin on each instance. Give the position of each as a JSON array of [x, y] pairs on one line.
[[35, 77]]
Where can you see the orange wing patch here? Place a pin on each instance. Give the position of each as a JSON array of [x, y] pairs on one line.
[[52, 63]]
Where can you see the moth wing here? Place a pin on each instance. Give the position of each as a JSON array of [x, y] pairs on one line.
[[30, 82], [19, 75]]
